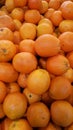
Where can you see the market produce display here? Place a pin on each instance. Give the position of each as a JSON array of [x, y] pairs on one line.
[[36, 65]]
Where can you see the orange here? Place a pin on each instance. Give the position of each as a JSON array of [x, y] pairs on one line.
[[62, 113], [6, 34], [38, 114], [17, 37], [7, 50], [51, 126], [58, 64], [9, 5], [21, 124], [4, 10], [20, 3], [25, 33], [2, 114], [38, 81], [55, 4], [7, 72], [24, 62], [32, 16], [69, 74], [45, 20], [6, 123], [67, 9], [49, 13], [60, 88], [3, 91], [66, 25], [22, 80], [13, 87], [31, 97], [47, 45], [44, 28], [15, 105], [66, 41], [17, 13], [34, 4], [17, 23], [44, 7], [7, 21], [70, 58], [27, 45], [56, 17]]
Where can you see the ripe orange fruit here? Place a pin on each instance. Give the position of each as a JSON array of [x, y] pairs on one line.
[[55, 4], [25, 33], [44, 7], [66, 25], [13, 87], [38, 81], [21, 124], [7, 50], [17, 23], [22, 80], [27, 45], [62, 113], [38, 114], [69, 74], [6, 34], [70, 58], [9, 5], [20, 3], [67, 9], [31, 97], [24, 62], [51, 126], [49, 13], [7, 21], [66, 41], [7, 72], [2, 114], [34, 4], [56, 17], [6, 123], [58, 64], [44, 28], [47, 45], [15, 105], [32, 16], [17, 13], [60, 88], [3, 91], [17, 37], [45, 20]]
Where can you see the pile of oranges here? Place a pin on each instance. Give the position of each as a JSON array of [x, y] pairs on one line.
[[36, 65]]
